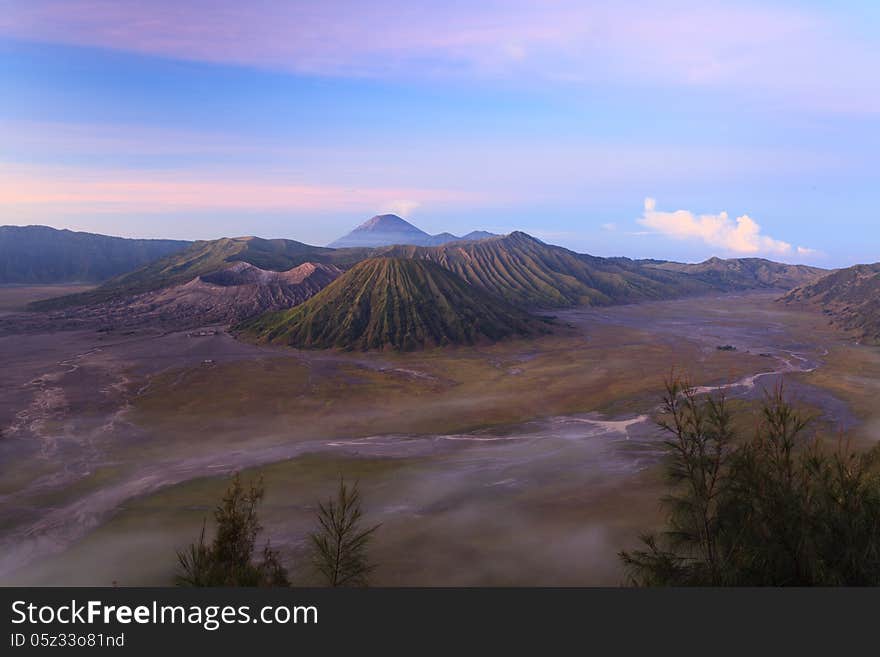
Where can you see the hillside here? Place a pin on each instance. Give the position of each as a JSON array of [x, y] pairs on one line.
[[521, 270], [236, 292], [527, 272], [205, 258], [389, 229], [226, 296], [394, 303], [40, 254], [744, 273], [849, 297]]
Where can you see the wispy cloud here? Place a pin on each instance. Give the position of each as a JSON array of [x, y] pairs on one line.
[[742, 236], [37, 138], [513, 171], [401, 207], [792, 53], [69, 189], [808, 253]]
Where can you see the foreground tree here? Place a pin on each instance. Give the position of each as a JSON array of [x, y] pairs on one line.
[[229, 560], [340, 542], [773, 509]]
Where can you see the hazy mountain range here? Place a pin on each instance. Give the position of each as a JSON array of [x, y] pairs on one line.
[[385, 229], [398, 296], [745, 273], [39, 254]]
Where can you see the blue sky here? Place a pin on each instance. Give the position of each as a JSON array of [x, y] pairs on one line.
[[671, 130]]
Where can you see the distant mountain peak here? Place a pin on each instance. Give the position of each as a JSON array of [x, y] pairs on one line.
[[522, 237], [390, 229], [389, 222], [476, 235]]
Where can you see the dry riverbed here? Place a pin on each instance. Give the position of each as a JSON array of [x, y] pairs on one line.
[[528, 462]]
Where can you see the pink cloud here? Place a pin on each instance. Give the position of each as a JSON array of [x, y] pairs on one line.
[[796, 54], [224, 170], [77, 190]]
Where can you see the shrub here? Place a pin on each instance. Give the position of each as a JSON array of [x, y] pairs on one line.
[[774, 509], [340, 543], [229, 559]]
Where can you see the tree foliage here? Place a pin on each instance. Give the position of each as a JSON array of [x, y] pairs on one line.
[[777, 508], [229, 559], [340, 541]]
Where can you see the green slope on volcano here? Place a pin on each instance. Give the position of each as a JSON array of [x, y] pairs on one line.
[[394, 303]]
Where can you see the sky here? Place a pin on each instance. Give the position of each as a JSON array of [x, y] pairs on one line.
[[676, 130]]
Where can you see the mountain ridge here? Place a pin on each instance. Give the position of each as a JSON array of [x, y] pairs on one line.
[[849, 297], [525, 271], [44, 255], [205, 257], [518, 268], [745, 272]]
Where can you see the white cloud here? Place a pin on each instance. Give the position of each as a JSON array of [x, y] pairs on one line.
[[804, 251], [740, 236], [402, 207], [609, 226]]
